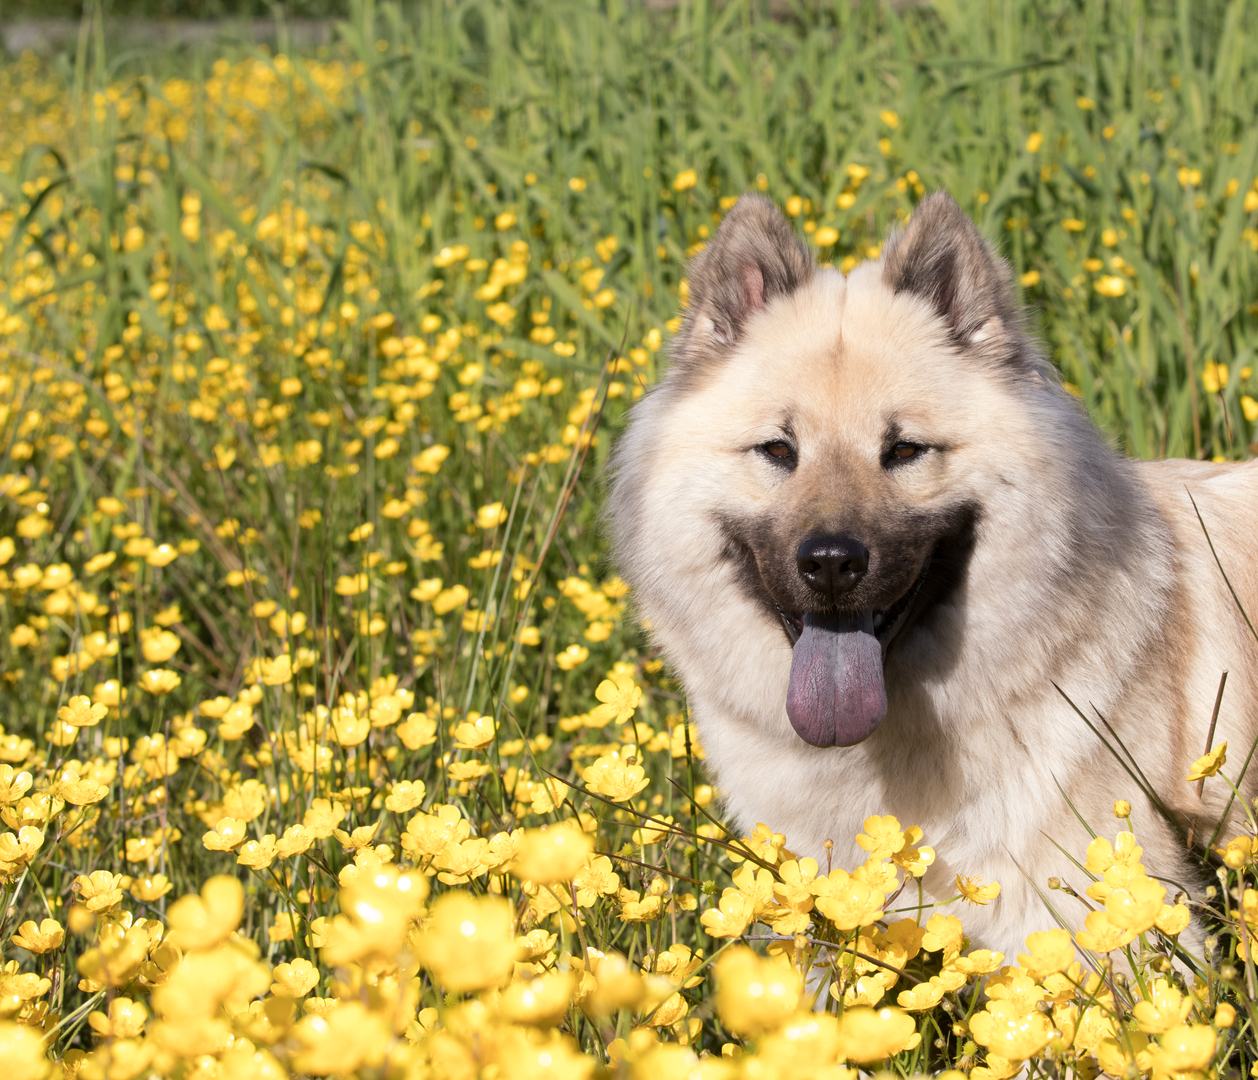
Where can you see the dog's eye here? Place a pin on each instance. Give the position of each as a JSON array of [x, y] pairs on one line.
[[779, 451], [900, 452]]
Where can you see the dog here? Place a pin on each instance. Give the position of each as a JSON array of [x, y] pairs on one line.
[[899, 571]]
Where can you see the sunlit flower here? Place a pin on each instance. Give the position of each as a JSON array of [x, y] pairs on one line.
[[294, 979], [868, 1035], [731, 917], [41, 937], [475, 733], [467, 943], [227, 835], [99, 891], [975, 892], [571, 657], [755, 994], [159, 681], [1184, 1048], [619, 696], [1102, 935], [405, 796], [614, 777], [1208, 764], [80, 712], [552, 854], [1009, 1032]]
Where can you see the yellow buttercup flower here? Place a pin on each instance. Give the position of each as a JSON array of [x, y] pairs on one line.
[[1048, 952], [685, 180], [1005, 1030], [150, 889], [159, 645], [755, 994], [405, 796], [619, 697], [227, 835], [731, 917], [923, 996], [868, 1035], [553, 854], [125, 1020], [571, 657], [277, 671], [882, 837], [616, 778], [978, 962], [39, 938], [475, 733], [1184, 1048], [467, 943], [99, 891], [490, 516], [162, 555], [201, 922], [1102, 935], [97, 563], [350, 585], [78, 791], [1208, 764], [13, 784], [1102, 855], [80, 712], [1164, 1007], [943, 934], [974, 891], [914, 860], [846, 901], [1136, 907], [294, 979], [1173, 920], [159, 681]]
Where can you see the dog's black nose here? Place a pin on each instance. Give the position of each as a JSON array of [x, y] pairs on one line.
[[832, 565]]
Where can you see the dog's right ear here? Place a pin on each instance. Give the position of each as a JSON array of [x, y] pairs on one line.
[[753, 259]]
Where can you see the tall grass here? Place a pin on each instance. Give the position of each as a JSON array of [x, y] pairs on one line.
[[327, 352]]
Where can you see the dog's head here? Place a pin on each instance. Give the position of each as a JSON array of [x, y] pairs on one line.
[[839, 437]]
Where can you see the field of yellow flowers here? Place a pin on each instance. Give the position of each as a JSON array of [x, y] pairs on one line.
[[328, 744]]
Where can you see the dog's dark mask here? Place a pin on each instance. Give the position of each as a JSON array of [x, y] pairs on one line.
[[843, 604]]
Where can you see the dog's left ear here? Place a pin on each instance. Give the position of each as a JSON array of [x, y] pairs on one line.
[[941, 256]]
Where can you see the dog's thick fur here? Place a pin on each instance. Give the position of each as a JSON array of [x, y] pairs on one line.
[[1041, 559]]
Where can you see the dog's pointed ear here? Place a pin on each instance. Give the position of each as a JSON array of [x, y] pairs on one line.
[[753, 259], [941, 257]]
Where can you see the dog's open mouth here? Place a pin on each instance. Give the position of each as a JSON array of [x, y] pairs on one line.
[[837, 695]]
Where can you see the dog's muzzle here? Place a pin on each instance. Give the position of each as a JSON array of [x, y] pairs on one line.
[[837, 694]]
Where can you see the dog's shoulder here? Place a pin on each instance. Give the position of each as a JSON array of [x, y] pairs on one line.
[[1225, 487], [1212, 511]]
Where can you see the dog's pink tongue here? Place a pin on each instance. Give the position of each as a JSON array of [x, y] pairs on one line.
[[837, 696]]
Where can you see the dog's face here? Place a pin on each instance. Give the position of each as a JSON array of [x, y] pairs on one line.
[[830, 425]]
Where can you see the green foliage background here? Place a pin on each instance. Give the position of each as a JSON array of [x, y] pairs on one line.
[[184, 234]]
